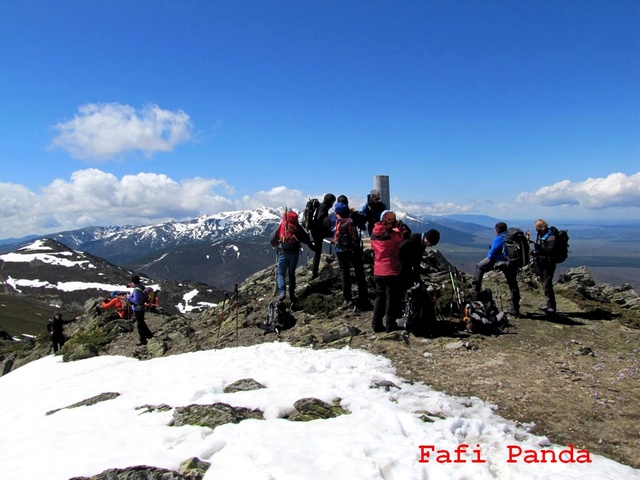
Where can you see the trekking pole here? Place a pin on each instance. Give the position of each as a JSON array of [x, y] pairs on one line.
[[498, 293], [235, 293], [221, 317], [275, 287], [455, 294]]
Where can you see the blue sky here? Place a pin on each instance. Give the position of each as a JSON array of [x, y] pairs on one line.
[[138, 112]]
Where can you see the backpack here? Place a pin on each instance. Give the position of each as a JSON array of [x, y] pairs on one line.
[[145, 295], [278, 318], [561, 245], [310, 215], [288, 233], [516, 247], [481, 315], [345, 234], [419, 311]]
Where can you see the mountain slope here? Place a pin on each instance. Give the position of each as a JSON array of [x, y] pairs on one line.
[[60, 278]]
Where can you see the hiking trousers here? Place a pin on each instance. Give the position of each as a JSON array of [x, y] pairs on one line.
[[386, 305], [287, 264], [346, 260], [57, 340], [547, 270], [143, 330]]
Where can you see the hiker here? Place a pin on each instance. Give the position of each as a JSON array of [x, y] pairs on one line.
[[287, 238], [411, 252], [373, 209], [153, 303], [358, 218], [544, 261], [319, 232], [137, 300], [117, 301], [55, 327], [349, 254], [497, 258], [386, 238]]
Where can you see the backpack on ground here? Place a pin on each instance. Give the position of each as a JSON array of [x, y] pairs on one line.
[[310, 215], [279, 318], [516, 248], [346, 236], [419, 311], [482, 315], [561, 245]]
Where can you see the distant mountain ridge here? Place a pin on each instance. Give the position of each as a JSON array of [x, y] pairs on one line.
[[220, 249], [225, 248]]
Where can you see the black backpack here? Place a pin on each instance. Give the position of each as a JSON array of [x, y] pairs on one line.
[[419, 311], [483, 316], [279, 318], [561, 245], [310, 215], [516, 247]]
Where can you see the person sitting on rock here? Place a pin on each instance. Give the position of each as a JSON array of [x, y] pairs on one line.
[[117, 302], [153, 303]]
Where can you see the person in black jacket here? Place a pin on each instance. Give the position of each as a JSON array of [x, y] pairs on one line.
[[137, 299], [319, 232], [545, 262], [411, 252], [55, 327], [373, 209]]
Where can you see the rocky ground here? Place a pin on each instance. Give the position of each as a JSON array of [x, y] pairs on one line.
[[573, 377]]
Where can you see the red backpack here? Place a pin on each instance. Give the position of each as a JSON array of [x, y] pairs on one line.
[[288, 233]]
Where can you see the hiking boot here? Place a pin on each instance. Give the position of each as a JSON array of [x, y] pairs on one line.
[[392, 327], [378, 328], [513, 311]]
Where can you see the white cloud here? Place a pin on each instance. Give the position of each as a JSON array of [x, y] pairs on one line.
[[105, 131], [434, 208], [617, 190], [95, 197], [277, 197]]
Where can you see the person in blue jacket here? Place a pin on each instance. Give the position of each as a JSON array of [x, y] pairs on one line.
[[137, 300], [497, 258]]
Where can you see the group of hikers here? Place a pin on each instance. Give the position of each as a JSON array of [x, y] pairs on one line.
[[397, 263], [397, 252], [121, 304], [544, 263], [397, 255]]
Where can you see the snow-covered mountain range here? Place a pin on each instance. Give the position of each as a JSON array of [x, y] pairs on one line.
[[219, 250]]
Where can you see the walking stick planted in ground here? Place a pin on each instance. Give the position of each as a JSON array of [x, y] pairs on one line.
[[235, 293], [455, 296], [221, 317]]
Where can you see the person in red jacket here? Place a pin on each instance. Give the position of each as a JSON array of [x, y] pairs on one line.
[[118, 303], [386, 237]]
